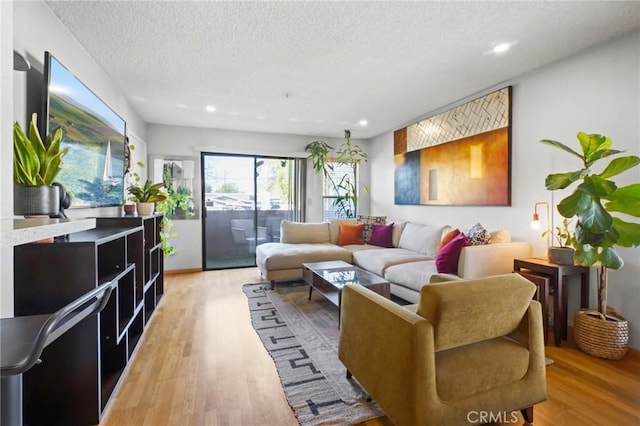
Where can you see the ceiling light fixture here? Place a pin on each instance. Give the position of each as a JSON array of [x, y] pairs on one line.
[[363, 122], [210, 108], [500, 48]]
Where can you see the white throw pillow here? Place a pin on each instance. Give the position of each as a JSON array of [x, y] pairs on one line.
[[299, 233], [421, 238], [500, 237], [398, 227]]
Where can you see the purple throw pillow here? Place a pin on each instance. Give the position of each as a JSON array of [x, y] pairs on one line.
[[447, 258], [381, 235]]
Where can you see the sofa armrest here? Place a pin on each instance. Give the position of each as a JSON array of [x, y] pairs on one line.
[[443, 278], [490, 259]]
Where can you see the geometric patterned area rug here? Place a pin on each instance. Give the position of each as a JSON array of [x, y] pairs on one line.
[[301, 336]]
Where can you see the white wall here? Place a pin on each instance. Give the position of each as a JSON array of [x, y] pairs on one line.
[[182, 141], [6, 151], [595, 91], [31, 28]]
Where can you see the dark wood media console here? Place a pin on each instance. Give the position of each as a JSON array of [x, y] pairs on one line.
[[80, 370]]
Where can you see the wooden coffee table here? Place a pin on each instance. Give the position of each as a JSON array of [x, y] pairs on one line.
[[329, 278]]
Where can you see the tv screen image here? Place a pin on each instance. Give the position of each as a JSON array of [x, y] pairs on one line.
[[93, 169]]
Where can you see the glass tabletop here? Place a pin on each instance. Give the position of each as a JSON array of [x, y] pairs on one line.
[[339, 277]]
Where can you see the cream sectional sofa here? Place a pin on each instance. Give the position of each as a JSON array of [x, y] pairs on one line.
[[408, 265]]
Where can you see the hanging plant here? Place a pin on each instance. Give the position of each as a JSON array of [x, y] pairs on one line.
[[348, 154]]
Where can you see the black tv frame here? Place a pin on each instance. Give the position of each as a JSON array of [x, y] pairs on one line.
[[44, 124]]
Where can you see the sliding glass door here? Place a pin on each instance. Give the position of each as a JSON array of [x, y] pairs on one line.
[[244, 200]]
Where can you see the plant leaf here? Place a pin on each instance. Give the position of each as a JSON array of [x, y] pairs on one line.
[[571, 205], [562, 180], [585, 255], [562, 146], [591, 143], [628, 233], [52, 167], [599, 155], [583, 236], [595, 218], [619, 165], [610, 259], [626, 200], [25, 157], [36, 141], [602, 188]]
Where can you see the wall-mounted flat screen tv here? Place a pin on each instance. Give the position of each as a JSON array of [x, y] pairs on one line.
[[93, 169]]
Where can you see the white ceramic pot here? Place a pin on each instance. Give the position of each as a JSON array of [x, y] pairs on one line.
[[146, 209]]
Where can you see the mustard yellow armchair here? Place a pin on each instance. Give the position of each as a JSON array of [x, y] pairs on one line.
[[469, 352]]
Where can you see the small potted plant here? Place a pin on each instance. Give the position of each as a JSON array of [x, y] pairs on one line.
[[594, 203], [562, 254], [146, 196], [36, 163]]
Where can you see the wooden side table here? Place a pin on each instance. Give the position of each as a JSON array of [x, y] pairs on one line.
[[559, 278], [542, 282]]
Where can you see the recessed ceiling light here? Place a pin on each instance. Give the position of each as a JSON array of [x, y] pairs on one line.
[[210, 108], [181, 106], [500, 48], [363, 122]]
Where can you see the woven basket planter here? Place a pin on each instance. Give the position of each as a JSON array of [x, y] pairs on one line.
[[605, 339]]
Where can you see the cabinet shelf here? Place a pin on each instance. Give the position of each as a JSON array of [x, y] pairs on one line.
[[92, 357]]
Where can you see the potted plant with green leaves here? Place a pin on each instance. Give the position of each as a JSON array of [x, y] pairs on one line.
[[596, 203], [36, 163], [350, 155], [563, 252], [146, 196]]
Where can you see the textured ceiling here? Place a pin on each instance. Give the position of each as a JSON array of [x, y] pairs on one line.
[[317, 68]]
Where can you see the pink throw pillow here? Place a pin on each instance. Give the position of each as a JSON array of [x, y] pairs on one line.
[[447, 258], [381, 235]]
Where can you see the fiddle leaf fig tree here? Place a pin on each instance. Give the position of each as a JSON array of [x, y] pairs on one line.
[[595, 202]]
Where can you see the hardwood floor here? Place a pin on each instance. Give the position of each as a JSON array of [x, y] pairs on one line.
[[201, 363]]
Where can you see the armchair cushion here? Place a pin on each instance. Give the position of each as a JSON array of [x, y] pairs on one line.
[[462, 314], [476, 368]]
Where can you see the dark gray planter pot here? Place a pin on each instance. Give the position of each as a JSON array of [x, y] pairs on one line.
[[36, 200], [561, 255]]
